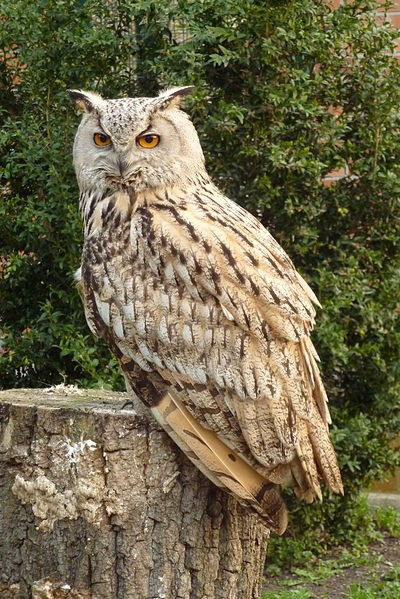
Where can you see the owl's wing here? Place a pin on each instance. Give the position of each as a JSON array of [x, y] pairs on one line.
[[209, 303], [264, 315]]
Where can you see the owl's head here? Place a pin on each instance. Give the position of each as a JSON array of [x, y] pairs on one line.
[[135, 143]]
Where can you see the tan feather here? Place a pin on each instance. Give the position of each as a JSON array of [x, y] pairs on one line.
[[227, 468]]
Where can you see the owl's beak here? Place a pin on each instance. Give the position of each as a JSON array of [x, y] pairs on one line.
[[122, 166]]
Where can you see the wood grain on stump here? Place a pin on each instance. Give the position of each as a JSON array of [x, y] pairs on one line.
[[97, 502]]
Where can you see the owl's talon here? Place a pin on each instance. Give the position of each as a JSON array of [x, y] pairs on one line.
[[130, 403]]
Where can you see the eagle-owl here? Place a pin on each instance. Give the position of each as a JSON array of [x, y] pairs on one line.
[[204, 310]]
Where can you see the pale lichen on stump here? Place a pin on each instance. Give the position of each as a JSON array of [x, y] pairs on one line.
[[98, 502]]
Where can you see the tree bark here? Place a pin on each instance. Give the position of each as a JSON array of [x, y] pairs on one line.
[[98, 502]]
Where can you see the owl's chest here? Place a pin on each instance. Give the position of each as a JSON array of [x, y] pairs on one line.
[[122, 262], [117, 279], [129, 240]]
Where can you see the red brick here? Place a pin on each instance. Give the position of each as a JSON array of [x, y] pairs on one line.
[[395, 20], [337, 174]]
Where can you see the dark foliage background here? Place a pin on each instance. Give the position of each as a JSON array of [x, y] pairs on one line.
[[285, 92]]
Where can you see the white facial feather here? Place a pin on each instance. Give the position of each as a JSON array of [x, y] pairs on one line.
[[124, 163]]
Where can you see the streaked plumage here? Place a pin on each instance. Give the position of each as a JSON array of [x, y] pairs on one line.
[[204, 310]]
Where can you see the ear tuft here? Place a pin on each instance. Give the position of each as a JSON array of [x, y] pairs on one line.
[[173, 97], [86, 101]]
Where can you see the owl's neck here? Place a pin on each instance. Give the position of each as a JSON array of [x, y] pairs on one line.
[[113, 207]]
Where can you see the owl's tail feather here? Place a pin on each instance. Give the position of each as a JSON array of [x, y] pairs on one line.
[[220, 464]]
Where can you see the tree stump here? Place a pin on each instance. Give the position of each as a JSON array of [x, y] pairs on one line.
[[97, 502]]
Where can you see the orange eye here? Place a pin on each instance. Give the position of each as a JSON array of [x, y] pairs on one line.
[[148, 140], [101, 139]]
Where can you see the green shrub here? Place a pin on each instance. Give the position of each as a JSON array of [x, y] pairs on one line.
[[285, 92]]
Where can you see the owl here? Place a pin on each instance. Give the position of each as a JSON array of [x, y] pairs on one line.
[[203, 309]]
